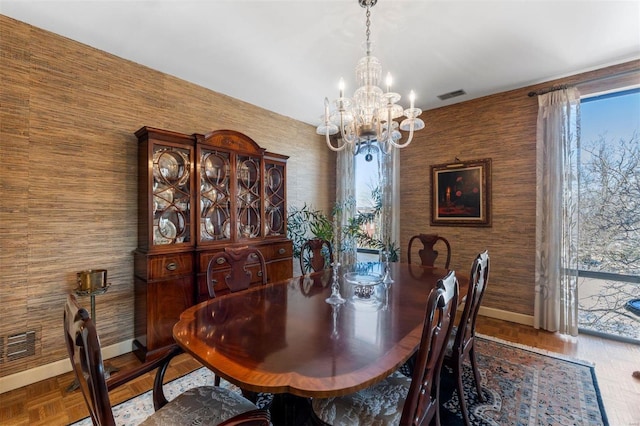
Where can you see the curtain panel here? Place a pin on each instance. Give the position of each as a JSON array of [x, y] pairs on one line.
[[557, 180], [345, 203], [390, 217]]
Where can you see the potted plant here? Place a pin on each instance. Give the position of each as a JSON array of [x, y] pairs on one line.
[[306, 222]]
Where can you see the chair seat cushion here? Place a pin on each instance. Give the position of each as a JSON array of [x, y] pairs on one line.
[[377, 405], [205, 405]]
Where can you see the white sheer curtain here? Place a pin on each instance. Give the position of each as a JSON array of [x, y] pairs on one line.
[[345, 199], [556, 276], [389, 180]]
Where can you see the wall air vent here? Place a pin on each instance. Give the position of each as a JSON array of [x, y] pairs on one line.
[[453, 94], [21, 345]]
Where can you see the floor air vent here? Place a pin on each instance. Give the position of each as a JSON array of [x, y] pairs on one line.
[[21, 345]]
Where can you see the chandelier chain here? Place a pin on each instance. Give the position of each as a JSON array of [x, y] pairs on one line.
[[368, 31]]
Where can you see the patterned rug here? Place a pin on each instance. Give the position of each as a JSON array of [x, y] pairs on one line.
[[521, 385], [524, 386]]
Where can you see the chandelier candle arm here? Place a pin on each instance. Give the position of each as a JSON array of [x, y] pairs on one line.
[[329, 129], [412, 122]]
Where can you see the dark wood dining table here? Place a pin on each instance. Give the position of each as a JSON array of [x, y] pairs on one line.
[[284, 338]]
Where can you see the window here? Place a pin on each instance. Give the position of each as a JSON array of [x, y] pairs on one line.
[[367, 171], [609, 250]]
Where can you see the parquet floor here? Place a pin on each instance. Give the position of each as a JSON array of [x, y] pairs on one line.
[[48, 403]]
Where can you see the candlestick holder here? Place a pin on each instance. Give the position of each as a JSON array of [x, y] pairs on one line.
[[384, 255], [335, 298]]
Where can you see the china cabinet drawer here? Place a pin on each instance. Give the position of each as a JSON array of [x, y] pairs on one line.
[[270, 251], [170, 265], [278, 250], [205, 258]]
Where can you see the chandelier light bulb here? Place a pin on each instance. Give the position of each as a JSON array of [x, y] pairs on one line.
[[368, 117]]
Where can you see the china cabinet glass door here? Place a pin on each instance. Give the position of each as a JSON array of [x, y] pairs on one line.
[[249, 200], [171, 195], [215, 200], [275, 200]]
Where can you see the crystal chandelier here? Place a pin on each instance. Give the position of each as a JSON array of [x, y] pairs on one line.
[[367, 119]]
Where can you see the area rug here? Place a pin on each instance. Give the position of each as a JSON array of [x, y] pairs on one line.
[[521, 386], [524, 386]]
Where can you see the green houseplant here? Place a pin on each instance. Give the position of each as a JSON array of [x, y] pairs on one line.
[[306, 222]]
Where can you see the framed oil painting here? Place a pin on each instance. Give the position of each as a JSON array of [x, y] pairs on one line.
[[461, 193]]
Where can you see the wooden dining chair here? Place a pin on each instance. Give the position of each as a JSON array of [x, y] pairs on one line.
[[428, 254], [400, 400], [462, 339], [316, 254], [210, 405], [238, 277]]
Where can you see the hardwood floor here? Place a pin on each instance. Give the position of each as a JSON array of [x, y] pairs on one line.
[[48, 403]]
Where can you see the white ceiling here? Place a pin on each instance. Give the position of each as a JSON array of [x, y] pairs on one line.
[[286, 56]]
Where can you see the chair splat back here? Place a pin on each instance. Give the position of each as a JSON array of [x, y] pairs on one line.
[[428, 254], [238, 278], [422, 403], [316, 254], [478, 280]]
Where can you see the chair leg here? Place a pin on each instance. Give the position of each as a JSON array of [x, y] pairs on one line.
[[216, 380], [435, 421], [476, 373], [457, 372], [250, 395]]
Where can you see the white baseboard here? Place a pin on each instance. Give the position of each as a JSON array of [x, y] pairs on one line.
[[506, 315], [56, 368]]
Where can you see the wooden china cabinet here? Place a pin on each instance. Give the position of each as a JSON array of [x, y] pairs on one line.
[[199, 194]]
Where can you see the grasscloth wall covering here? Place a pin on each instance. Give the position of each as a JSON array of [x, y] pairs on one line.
[[501, 127], [69, 168]]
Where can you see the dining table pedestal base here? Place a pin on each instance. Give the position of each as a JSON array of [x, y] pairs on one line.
[[290, 410]]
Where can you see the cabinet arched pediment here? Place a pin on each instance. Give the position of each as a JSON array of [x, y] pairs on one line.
[[232, 140]]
